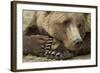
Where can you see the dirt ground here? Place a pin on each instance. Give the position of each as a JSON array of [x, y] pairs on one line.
[[30, 58]]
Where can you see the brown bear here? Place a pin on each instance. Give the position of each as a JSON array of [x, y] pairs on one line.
[[70, 31]]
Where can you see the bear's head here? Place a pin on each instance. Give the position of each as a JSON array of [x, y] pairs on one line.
[[68, 28]]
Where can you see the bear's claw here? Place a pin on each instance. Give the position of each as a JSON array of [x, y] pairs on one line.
[[58, 55]]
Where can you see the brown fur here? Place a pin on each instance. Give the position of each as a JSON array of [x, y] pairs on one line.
[[63, 26]]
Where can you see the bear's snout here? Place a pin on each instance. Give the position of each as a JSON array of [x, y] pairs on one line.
[[73, 37]]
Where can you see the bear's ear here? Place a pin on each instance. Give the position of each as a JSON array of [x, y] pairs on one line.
[[87, 24], [29, 18], [31, 28]]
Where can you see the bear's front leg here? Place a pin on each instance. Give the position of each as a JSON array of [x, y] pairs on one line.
[[34, 44]]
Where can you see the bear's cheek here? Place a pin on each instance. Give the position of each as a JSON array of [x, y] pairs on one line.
[[82, 31]]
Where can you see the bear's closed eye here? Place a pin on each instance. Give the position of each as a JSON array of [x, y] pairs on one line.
[[66, 22]]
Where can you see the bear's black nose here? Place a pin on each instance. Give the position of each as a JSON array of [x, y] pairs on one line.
[[78, 41]]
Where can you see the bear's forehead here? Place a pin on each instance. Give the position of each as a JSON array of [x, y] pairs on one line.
[[60, 17]]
